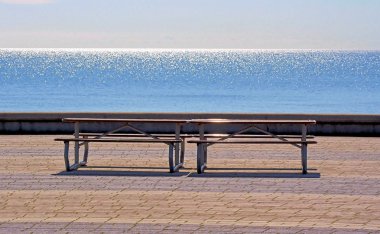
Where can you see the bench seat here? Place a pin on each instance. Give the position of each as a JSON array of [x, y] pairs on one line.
[[251, 142], [119, 140], [191, 135]]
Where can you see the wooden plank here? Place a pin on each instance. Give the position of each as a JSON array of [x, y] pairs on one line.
[[72, 120], [195, 121], [216, 135], [252, 142], [132, 135], [249, 121], [120, 140]]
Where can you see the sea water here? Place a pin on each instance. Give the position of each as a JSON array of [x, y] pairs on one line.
[[186, 80]]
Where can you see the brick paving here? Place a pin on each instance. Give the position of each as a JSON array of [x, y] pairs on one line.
[[248, 189]]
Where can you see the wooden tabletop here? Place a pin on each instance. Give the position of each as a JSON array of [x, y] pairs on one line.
[[72, 120], [249, 121], [194, 121]]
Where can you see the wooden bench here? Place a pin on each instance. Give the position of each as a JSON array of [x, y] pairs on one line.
[[170, 142], [177, 140], [203, 144], [110, 135]]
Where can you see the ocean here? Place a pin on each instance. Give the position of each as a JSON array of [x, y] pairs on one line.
[[189, 80]]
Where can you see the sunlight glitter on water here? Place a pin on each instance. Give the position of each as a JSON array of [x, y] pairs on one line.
[[200, 80]]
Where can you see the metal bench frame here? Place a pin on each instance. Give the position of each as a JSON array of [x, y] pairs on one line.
[[80, 140], [203, 143], [85, 141]]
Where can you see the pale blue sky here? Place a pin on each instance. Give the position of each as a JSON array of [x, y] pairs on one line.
[[250, 24]]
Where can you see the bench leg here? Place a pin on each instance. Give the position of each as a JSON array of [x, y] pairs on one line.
[[182, 159], [66, 158], [177, 145], [76, 143], [205, 154], [176, 153], [200, 158], [179, 162], [85, 155], [304, 150], [171, 161], [304, 158], [66, 155]]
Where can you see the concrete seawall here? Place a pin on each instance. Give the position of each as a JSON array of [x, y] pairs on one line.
[[327, 124]]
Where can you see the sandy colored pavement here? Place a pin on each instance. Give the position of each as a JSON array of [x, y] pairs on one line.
[[247, 189]]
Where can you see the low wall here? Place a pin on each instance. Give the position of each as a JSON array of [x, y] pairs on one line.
[[327, 124]]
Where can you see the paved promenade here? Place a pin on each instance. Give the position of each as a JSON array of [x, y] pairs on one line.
[[251, 189]]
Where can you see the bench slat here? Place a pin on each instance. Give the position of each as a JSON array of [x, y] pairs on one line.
[[132, 135], [251, 142], [119, 140], [192, 135], [99, 120], [250, 121], [251, 136]]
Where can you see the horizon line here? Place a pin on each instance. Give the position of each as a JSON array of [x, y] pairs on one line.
[[166, 49]]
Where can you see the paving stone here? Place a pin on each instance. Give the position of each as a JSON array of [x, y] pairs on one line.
[[247, 189]]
